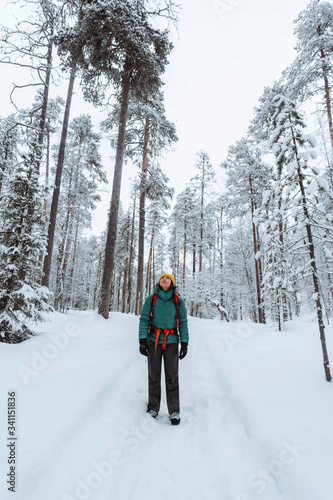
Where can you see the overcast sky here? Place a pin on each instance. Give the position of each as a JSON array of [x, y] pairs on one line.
[[225, 53]]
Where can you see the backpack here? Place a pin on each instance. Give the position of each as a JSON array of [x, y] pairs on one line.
[[153, 329]]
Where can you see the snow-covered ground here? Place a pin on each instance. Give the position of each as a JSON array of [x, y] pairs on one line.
[[257, 414]]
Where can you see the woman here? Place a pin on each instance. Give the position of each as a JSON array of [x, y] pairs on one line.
[[163, 323]]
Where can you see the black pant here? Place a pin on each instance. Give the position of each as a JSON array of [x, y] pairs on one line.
[[170, 356]]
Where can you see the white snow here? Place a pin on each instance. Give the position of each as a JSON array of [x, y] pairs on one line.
[[265, 196], [313, 187], [277, 282], [323, 184], [294, 210], [311, 139], [256, 412], [291, 168]]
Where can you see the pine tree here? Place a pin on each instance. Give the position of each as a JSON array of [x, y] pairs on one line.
[[247, 177], [70, 15], [183, 216], [57, 183], [22, 299], [293, 149], [314, 63], [29, 45], [9, 137], [279, 274], [239, 285], [133, 59], [159, 193], [82, 175], [202, 183]]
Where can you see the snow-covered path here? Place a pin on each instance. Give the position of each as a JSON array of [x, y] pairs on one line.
[[256, 414]]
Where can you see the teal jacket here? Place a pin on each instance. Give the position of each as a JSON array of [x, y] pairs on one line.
[[164, 317]]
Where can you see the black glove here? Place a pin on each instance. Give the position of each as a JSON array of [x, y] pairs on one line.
[[183, 350], [144, 349]]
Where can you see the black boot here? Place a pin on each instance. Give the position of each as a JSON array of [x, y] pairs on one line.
[[175, 418], [153, 413]]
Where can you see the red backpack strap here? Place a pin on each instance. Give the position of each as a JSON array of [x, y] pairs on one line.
[[176, 300], [153, 301]]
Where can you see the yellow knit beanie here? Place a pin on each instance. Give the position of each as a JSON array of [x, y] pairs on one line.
[[171, 276]]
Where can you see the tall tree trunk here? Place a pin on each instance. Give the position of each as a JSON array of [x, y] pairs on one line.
[[329, 112], [177, 263], [153, 273], [254, 312], [42, 119], [4, 166], [71, 221], [260, 266], [201, 227], [118, 292], [69, 283], [193, 276], [59, 288], [45, 97], [60, 282], [139, 286], [98, 276], [284, 302], [330, 285], [57, 183], [313, 265], [124, 286], [125, 273], [113, 217], [131, 259], [150, 271], [184, 256], [261, 315], [327, 95], [150, 254], [220, 249], [327, 98], [47, 170]]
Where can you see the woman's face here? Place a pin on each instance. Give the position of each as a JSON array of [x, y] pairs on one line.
[[165, 283]]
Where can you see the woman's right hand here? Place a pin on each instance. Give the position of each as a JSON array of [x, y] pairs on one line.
[[144, 349]]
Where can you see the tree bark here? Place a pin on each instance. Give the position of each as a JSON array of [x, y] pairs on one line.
[[45, 97], [260, 265], [60, 279], [184, 257], [71, 209], [124, 286], [139, 287], [131, 259], [125, 273], [201, 226], [70, 280], [261, 315], [47, 170], [327, 96], [193, 275], [150, 254], [57, 183], [220, 250], [113, 217], [98, 275], [3, 167], [59, 283]]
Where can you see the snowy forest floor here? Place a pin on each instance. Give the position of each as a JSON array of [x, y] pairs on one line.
[[256, 412]]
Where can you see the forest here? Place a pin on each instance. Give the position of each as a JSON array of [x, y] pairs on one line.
[[262, 250]]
